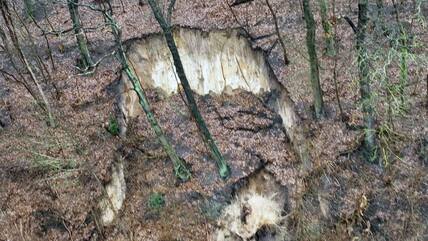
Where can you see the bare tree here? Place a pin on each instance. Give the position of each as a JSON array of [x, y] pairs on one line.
[[29, 7], [335, 60], [313, 60], [364, 82], [73, 8], [328, 31], [20, 61], [402, 46], [180, 168], [224, 169], [278, 33]]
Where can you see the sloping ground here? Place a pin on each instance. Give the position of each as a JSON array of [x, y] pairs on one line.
[[249, 135], [58, 204], [216, 62], [344, 198], [219, 65]]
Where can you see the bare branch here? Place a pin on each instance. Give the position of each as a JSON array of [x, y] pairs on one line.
[[170, 9], [278, 33]]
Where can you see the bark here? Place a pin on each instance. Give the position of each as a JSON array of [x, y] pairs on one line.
[[313, 59], [328, 31], [224, 169], [180, 168], [364, 82], [335, 59], [239, 2], [80, 34], [426, 97], [381, 16]]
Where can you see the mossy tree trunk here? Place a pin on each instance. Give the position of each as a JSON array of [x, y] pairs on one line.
[[402, 45], [80, 35], [29, 7], [364, 82], [224, 169], [328, 30], [180, 168], [313, 60]]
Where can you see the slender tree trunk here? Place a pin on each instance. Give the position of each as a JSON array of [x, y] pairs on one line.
[[42, 93], [404, 70], [335, 59], [224, 169], [313, 59], [385, 32], [381, 16], [80, 34], [7, 17], [278, 33], [426, 82], [29, 7], [402, 46], [328, 31], [364, 81], [180, 168]]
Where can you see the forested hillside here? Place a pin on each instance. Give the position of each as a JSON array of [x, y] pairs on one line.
[[231, 120]]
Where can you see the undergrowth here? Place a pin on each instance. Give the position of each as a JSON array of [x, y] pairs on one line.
[[156, 201]]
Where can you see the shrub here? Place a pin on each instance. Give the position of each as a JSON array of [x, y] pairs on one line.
[[113, 126], [156, 201]]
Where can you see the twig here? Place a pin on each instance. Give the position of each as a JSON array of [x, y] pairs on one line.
[[178, 83], [237, 20], [169, 11], [242, 73], [336, 53], [46, 39], [349, 21], [281, 41], [93, 67]]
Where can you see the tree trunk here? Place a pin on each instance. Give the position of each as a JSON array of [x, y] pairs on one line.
[[29, 7], [364, 81], [402, 45], [278, 33], [224, 169], [328, 32], [313, 59], [80, 35], [7, 17], [180, 168]]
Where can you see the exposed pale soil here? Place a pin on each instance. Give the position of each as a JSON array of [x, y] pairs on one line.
[[343, 198]]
